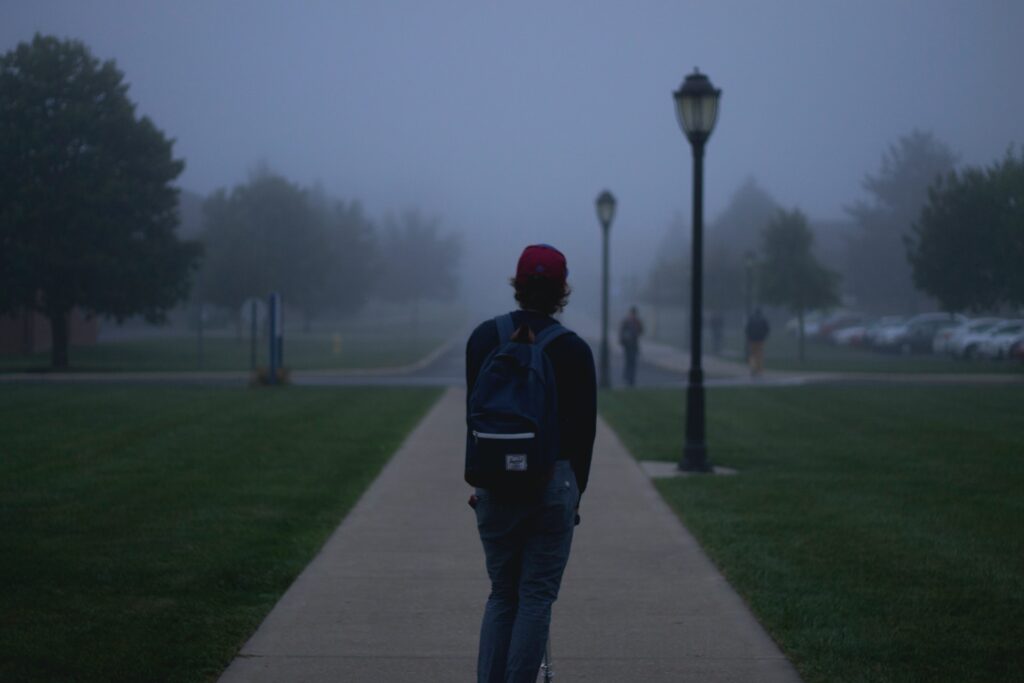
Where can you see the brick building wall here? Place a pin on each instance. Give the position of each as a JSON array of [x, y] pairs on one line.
[[29, 332]]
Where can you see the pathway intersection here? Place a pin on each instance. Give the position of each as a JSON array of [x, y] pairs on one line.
[[397, 592]]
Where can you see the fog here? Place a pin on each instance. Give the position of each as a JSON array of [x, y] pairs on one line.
[[507, 119]]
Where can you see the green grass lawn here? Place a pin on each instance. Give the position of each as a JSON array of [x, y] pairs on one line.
[[147, 531], [227, 353], [878, 533]]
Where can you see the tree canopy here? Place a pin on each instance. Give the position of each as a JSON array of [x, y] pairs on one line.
[[790, 275], [733, 232], [269, 234], [667, 281], [419, 262], [877, 265], [351, 242], [739, 226], [967, 248], [87, 208], [261, 237]]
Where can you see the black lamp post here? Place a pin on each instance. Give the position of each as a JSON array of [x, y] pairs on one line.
[[605, 213], [696, 108]]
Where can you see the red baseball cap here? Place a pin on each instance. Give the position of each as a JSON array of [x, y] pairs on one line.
[[543, 260]]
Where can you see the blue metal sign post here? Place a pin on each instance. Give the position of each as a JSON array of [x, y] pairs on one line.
[[276, 334]]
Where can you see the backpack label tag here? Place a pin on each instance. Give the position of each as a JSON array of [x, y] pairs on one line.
[[515, 462]]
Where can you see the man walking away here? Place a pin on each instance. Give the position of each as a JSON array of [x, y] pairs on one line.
[[629, 337], [757, 332], [526, 522]]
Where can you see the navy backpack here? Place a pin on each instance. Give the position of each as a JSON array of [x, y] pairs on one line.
[[512, 414]]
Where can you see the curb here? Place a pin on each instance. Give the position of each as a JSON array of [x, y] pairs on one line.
[[227, 376]]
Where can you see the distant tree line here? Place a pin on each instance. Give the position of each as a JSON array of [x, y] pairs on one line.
[[89, 215], [876, 266], [923, 232], [732, 235], [325, 255]]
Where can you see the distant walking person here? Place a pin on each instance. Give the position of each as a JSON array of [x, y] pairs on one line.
[[629, 336], [757, 332], [531, 414]]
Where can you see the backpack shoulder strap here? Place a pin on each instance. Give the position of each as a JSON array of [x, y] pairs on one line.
[[505, 328], [549, 334]]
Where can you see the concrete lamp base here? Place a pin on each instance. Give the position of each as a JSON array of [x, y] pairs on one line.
[[656, 469]]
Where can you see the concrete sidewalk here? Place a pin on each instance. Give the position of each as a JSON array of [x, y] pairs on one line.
[[397, 592]]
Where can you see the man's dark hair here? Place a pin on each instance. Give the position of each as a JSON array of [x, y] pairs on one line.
[[537, 293]]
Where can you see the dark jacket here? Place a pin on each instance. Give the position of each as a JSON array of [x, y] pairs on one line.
[[573, 365], [629, 333], [757, 328]]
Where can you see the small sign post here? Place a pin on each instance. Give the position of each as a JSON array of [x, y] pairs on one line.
[[276, 335], [254, 314]]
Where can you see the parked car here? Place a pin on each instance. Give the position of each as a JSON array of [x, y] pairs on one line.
[[837, 321], [1017, 351], [876, 327], [950, 340], [849, 336], [916, 334], [965, 335], [812, 321], [999, 340]]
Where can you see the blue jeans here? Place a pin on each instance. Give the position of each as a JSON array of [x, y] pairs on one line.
[[527, 547]]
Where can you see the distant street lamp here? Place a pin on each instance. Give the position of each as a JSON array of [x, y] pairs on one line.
[[696, 108], [748, 306], [605, 213]]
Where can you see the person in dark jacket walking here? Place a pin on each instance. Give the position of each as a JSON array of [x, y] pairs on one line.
[[526, 541], [757, 332], [629, 337]]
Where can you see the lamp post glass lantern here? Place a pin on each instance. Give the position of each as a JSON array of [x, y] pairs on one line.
[[605, 214], [697, 106], [697, 110]]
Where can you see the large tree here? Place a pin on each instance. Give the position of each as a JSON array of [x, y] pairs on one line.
[[87, 209], [418, 261], [667, 281], [739, 226], [790, 275], [270, 234], [263, 236], [877, 267], [967, 248], [351, 242], [733, 232]]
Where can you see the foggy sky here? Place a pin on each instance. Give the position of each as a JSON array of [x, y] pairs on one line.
[[508, 118]]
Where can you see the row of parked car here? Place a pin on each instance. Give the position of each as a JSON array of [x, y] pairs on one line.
[[942, 333]]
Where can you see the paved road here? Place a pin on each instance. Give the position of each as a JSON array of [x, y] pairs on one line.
[[449, 369], [660, 366]]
